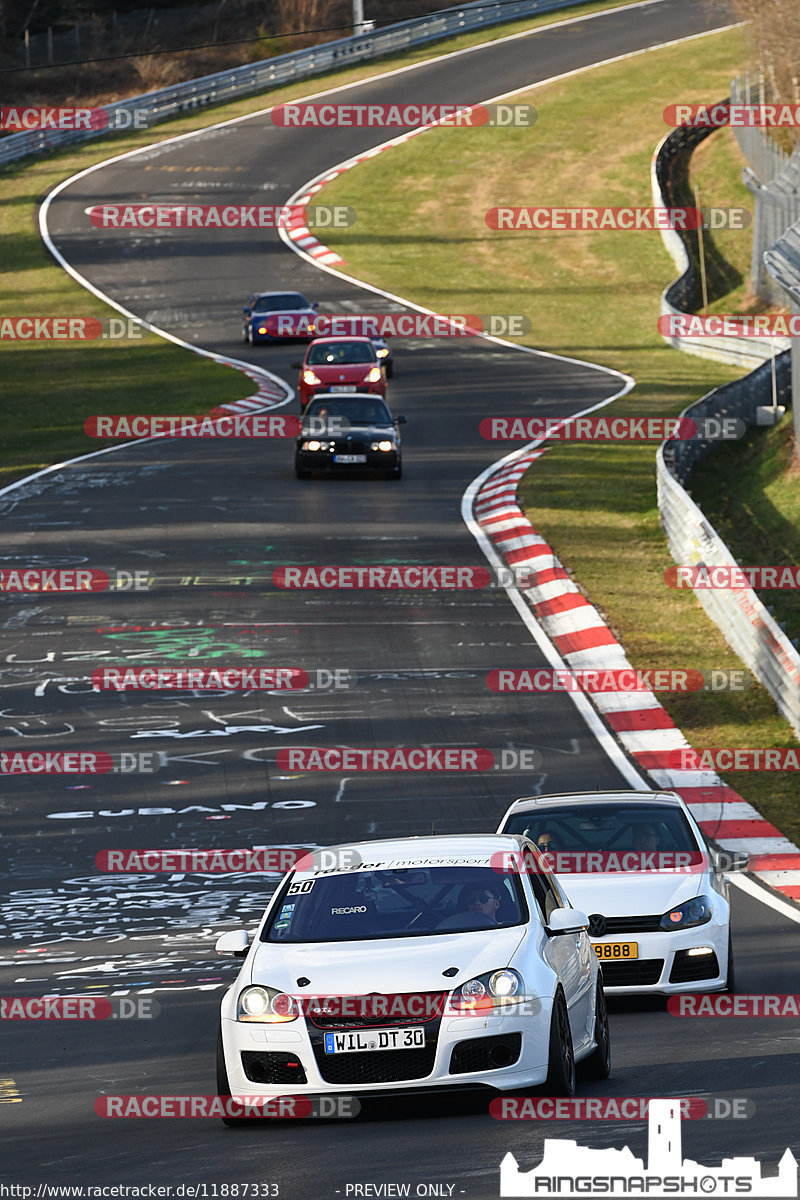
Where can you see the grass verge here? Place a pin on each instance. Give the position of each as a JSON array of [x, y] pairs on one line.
[[593, 296], [50, 388]]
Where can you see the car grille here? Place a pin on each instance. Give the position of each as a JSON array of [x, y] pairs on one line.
[[485, 1054], [356, 446], [637, 972], [407, 1006], [687, 968], [263, 1067], [375, 1066], [617, 925]]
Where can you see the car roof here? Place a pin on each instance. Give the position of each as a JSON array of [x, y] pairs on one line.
[[430, 850], [532, 803], [327, 397]]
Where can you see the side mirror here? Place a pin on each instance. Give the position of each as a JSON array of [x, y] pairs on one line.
[[315, 304], [567, 920], [401, 420], [236, 943], [296, 365], [246, 311], [729, 860]]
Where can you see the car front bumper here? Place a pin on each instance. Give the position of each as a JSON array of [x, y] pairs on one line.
[[664, 965], [458, 1053], [324, 460]]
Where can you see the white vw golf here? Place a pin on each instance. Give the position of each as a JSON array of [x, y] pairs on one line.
[[413, 963], [657, 898]]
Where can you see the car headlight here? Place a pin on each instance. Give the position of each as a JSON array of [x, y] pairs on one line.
[[684, 916], [373, 375], [383, 352], [310, 377], [486, 992], [383, 444], [313, 444], [266, 1005], [262, 329]]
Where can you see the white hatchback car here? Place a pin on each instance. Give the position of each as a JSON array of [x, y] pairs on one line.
[[661, 931], [424, 966]]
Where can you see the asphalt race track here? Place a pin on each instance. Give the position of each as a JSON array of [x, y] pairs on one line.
[[210, 521]]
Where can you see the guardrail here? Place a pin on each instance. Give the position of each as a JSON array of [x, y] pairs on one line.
[[284, 68], [746, 624], [669, 175]]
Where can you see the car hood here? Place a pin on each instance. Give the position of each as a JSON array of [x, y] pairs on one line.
[[644, 893], [389, 967]]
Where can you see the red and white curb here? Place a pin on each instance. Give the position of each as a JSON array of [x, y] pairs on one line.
[[269, 390], [638, 720]]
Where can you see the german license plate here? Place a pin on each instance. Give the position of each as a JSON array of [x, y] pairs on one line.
[[616, 950], [349, 458], [342, 387], [406, 1038]]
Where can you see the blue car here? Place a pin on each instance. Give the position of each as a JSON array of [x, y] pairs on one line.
[[266, 304]]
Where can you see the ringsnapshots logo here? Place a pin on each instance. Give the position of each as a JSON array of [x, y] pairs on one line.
[[756, 325], [220, 216], [569, 1170], [262, 860], [742, 116], [616, 1108], [200, 679], [23, 118], [260, 425], [403, 116], [598, 862]]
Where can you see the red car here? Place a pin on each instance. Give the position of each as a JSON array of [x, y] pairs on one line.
[[340, 364]]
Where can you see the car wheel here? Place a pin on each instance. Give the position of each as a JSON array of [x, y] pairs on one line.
[[245, 333], [561, 1063], [250, 338], [730, 985], [598, 1064], [224, 1088], [301, 472]]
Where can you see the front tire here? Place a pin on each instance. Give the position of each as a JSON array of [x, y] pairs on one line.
[[598, 1064], [300, 472], [561, 1069], [730, 985]]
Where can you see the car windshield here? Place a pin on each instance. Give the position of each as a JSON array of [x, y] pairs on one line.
[[286, 302], [607, 826], [331, 354], [412, 902], [355, 412]]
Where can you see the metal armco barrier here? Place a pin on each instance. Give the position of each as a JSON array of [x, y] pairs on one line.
[[284, 68], [745, 622]]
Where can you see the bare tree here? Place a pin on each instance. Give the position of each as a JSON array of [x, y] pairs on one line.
[[774, 29]]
